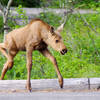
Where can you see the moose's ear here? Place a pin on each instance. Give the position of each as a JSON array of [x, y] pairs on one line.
[[51, 30], [60, 28]]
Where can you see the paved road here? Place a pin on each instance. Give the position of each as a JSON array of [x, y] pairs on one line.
[[37, 11], [48, 89], [51, 96]]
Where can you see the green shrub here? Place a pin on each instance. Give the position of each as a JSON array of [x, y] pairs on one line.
[[83, 4], [25, 3]]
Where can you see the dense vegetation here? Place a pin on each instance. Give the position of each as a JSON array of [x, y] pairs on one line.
[[82, 59], [25, 3], [55, 3]]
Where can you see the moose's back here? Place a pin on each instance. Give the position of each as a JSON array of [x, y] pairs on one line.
[[19, 38]]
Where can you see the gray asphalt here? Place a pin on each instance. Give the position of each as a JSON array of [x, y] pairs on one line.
[[51, 96], [48, 89], [37, 11]]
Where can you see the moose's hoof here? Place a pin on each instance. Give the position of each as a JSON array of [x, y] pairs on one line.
[[29, 89], [61, 86], [0, 78], [61, 83]]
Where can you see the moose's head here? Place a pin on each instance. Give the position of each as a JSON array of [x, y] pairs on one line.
[[54, 39]]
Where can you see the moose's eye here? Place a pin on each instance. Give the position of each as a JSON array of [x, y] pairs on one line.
[[57, 41]]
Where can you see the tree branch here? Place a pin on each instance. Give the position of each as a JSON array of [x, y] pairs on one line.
[[7, 10], [5, 18], [66, 14]]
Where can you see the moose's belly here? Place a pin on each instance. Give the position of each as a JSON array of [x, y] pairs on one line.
[[41, 46], [21, 47]]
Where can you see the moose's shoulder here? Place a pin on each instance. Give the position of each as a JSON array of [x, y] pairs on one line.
[[37, 19]]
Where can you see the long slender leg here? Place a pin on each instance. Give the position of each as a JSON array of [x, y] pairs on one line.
[[29, 67], [3, 49], [47, 54], [8, 64]]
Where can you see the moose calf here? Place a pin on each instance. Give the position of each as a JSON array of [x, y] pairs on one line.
[[36, 35]]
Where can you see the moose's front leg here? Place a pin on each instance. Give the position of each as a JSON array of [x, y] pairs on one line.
[[47, 54], [29, 67]]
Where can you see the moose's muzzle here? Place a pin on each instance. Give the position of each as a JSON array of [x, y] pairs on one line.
[[63, 51]]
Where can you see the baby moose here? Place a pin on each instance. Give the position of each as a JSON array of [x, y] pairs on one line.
[[36, 35]]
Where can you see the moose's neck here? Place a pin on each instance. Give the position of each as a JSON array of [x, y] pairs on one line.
[[45, 34]]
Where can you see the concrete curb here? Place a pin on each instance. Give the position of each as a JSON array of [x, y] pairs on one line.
[[47, 84]]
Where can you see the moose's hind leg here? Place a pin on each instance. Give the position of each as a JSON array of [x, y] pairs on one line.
[[3, 49], [8, 64]]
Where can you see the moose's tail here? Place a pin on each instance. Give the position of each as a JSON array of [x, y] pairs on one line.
[[3, 49]]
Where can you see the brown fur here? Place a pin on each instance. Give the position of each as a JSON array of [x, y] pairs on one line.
[[37, 35]]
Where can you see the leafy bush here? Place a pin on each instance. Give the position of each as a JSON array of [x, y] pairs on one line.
[[86, 4], [55, 3], [50, 18], [21, 16], [25, 3], [83, 4]]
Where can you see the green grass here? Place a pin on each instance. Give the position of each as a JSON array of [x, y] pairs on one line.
[[82, 59]]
